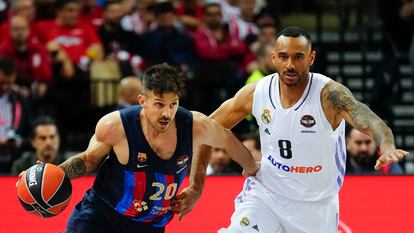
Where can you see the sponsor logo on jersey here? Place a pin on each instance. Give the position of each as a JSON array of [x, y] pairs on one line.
[[182, 160], [293, 168], [142, 157], [244, 221], [307, 121], [267, 131], [256, 227], [140, 205], [266, 117]]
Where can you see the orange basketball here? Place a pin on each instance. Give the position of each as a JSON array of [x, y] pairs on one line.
[[44, 190]]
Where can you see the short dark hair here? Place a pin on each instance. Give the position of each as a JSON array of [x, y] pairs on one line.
[[163, 78], [295, 32], [42, 120], [59, 4], [209, 5], [163, 8], [7, 66]]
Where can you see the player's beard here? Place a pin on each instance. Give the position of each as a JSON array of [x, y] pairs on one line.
[[292, 78]]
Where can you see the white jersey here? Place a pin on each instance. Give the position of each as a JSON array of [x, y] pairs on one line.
[[303, 158]]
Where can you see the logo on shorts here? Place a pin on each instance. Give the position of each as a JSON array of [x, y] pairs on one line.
[[307, 121], [266, 117], [244, 222], [142, 157]]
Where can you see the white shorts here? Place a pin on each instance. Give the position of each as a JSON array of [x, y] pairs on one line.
[[257, 210]]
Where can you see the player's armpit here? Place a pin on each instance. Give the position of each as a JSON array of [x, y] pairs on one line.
[[233, 110], [86, 162]]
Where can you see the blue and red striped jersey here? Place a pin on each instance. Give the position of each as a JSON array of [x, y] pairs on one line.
[[144, 188]]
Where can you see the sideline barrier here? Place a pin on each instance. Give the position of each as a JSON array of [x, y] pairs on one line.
[[369, 204]]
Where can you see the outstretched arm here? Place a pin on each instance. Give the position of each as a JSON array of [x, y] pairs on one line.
[[208, 133], [341, 100]]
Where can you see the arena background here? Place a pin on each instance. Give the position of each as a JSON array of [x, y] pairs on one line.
[[369, 204]]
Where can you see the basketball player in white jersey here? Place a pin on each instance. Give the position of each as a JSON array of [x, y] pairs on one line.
[[301, 117]]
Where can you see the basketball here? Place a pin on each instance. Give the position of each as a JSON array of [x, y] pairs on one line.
[[44, 190]]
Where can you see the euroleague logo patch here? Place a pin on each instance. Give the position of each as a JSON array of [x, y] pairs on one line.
[[307, 121]]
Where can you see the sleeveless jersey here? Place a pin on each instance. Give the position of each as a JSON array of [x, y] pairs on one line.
[[144, 188], [303, 158]]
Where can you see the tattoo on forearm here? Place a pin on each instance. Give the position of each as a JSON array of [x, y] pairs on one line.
[[361, 116], [74, 168]]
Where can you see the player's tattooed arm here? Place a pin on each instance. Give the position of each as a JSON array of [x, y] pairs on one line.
[[74, 167], [88, 161], [358, 114]]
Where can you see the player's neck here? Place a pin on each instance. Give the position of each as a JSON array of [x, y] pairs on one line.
[[290, 94]]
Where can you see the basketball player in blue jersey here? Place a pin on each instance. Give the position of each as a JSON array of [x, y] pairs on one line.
[[301, 117], [142, 154]]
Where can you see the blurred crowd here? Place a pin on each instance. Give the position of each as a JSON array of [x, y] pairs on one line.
[[65, 63]]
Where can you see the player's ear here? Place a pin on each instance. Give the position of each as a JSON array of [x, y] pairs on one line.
[[141, 100], [311, 57]]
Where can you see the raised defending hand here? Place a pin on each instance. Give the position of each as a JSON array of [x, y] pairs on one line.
[[390, 156], [185, 201]]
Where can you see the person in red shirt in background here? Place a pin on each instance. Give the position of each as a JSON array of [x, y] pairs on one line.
[[26, 9], [83, 47], [218, 52], [32, 59], [78, 40], [190, 13], [91, 14]]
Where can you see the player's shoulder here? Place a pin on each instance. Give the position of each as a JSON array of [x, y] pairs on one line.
[[109, 124]]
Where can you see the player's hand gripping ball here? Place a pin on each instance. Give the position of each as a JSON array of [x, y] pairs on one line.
[[44, 190]]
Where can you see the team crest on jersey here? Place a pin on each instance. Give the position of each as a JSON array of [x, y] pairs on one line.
[[244, 221], [266, 117], [182, 160], [308, 121], [142, 157]]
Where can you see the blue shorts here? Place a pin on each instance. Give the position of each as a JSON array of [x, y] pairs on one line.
[[91, 214]]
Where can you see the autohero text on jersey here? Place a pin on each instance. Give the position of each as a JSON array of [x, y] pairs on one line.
[[292, 168]]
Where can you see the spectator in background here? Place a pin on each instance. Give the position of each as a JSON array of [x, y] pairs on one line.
[[217, 50], [142, 19], [252, 142], [362, 155], [190, 13], [23, 8], [119, 44], [45, 139], [14, 115], [244, 27], [229, 8], [263, 64], [91, 13], [166, 43], [32, 58], [267, 35], [128, 90], [79, 41], [222, 164]]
